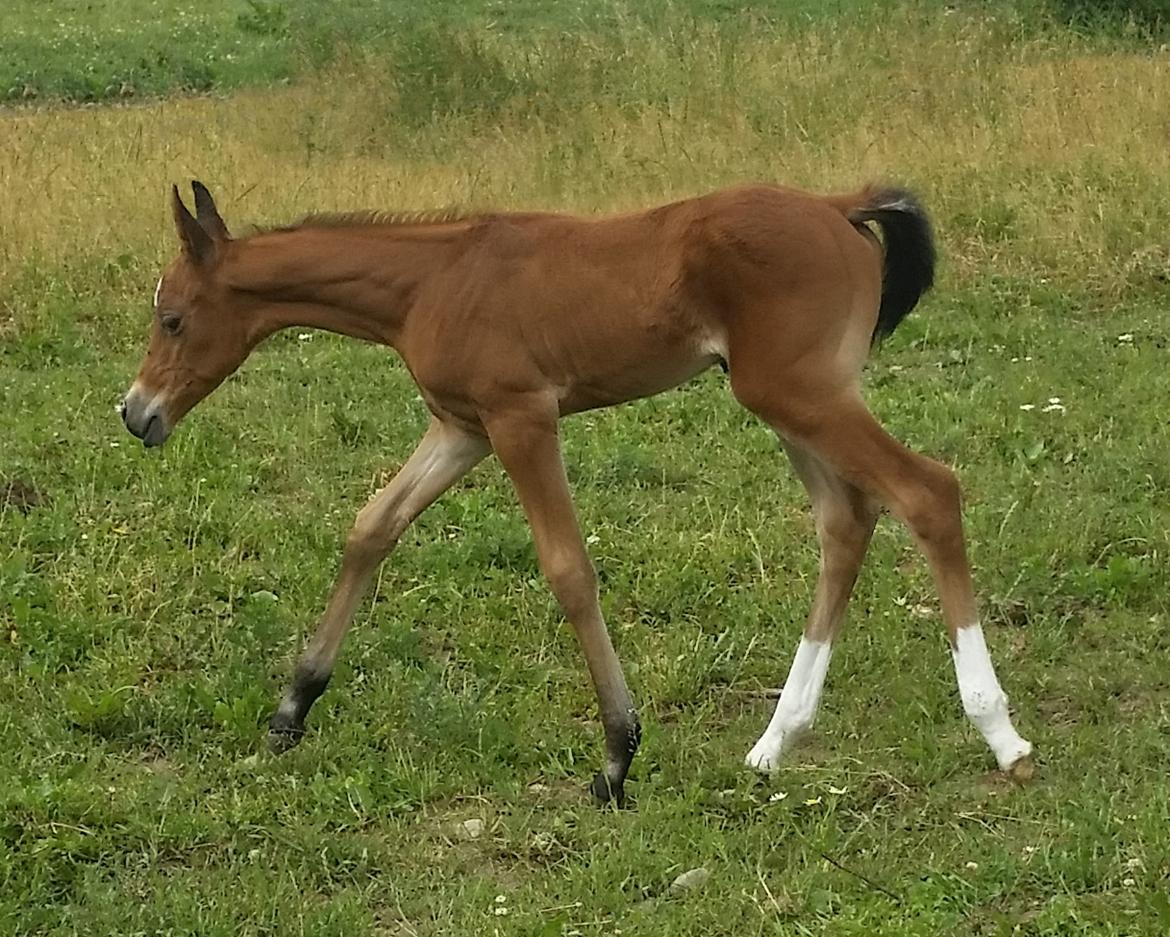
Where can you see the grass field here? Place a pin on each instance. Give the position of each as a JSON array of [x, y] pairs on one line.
[[151, 603], [83, 51]]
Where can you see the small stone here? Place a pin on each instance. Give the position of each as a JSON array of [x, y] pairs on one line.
[[688, 881], [470, 829]]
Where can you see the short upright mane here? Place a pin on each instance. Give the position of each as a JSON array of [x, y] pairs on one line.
[[351, 219]]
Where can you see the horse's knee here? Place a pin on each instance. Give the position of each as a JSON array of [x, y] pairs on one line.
[[573, 582], [372, 537], [846, 524], [933, 508]]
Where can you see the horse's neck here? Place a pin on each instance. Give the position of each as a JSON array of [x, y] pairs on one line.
[[354, 281]]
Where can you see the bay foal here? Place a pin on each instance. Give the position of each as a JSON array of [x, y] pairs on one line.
[[510, 321]]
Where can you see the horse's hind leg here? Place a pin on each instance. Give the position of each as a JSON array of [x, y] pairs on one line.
[[845, 517], [444, 455], [833, 423]]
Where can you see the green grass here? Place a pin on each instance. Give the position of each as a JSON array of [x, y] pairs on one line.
[[154, 603], [151, 604], [76, 50], [81, 51]]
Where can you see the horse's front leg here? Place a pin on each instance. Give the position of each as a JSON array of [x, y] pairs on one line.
[[525, 440], [444, 455]]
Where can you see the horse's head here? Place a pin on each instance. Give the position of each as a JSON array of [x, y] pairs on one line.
[[197, 337]]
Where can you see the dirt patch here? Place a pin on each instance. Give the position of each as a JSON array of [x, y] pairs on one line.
[[20, 495], [559, 792]]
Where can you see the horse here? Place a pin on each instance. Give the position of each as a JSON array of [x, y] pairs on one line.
[[508, 321]]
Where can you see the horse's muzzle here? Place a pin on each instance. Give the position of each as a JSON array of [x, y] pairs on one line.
[[144, 417]]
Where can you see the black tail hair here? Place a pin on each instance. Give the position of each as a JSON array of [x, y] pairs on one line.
[[909, 253]]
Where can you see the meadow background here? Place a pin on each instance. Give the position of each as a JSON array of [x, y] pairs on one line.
[[151, 603]]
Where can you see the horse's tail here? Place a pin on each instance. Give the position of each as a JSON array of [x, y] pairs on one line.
[[908, 270]]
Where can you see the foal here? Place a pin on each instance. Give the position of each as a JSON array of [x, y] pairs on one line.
[[508, 322]]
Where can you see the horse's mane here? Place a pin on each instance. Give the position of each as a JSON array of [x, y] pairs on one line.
[[368, 219]]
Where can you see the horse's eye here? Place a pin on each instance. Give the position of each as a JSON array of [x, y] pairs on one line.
[[171, 323]]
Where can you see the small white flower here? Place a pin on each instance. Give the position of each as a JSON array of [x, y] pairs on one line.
[[777, 797], [972, 866], [1027, 406], [305, 337], [1054, 406], [501, 899], [500, 911], [1128, 882], [1125, 338], [592, 539]]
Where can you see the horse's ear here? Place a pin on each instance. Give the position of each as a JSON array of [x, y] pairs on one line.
[[197, 243], [207, 214]]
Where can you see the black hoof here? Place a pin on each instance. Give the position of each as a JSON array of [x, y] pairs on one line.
[[605, 791], [282, 736]]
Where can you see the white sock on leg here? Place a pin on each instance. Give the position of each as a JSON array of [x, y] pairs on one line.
[[984, 701], [797, 706]]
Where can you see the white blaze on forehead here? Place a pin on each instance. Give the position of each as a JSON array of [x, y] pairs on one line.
[[157, 290]]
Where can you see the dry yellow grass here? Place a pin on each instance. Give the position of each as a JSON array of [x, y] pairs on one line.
[[1040, 155]]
